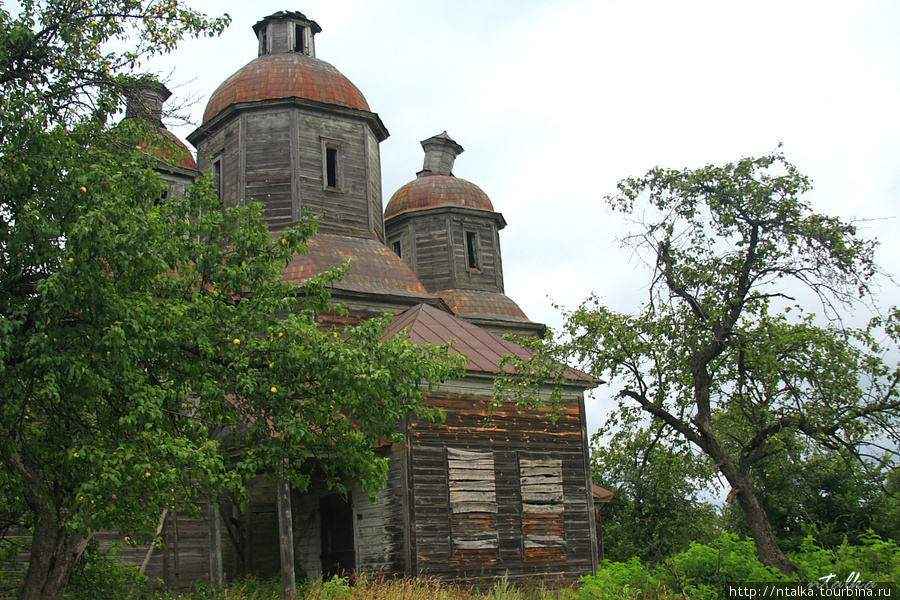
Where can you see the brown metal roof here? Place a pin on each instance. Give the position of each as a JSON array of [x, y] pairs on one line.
[[434, 191], [374, 269], [285, 75], [427, 324], [477, 303], [601, 494]]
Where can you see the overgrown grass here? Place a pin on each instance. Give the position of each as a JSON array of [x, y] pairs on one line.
[[367, 589], [700, 573]]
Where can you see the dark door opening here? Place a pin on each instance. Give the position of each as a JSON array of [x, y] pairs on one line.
[[336, 521]]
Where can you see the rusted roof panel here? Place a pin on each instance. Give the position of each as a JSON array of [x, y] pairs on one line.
[[427, 324], [601, 494], [374, 269], [477, 303], [285, 75], [436, 191]]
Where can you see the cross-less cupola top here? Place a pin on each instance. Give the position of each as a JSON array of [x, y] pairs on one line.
[[146, 101], [287, 31], [440, 153]]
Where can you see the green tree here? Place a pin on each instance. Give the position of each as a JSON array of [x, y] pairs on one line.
[[821, 493], [659, 506], [720, 353], [142, 339]]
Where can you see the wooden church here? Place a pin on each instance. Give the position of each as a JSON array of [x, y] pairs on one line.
[[465, 500]]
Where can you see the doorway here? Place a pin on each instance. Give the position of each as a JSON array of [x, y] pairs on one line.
[[336, 523]]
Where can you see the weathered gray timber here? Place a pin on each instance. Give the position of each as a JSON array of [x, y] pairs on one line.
[[289, 131], [506, 498]]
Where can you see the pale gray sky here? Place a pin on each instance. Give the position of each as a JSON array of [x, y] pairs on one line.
[[555, 102]]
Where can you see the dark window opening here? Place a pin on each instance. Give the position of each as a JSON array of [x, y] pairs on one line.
[[472, 250], [396, 248], [299, 45], [164, 196], [331, 167], [264, 41], [217, 177]]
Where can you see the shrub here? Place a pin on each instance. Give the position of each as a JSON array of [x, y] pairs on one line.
[[630, 579]]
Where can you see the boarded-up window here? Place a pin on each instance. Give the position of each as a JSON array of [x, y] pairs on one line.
[[543, 511], [473, 504]]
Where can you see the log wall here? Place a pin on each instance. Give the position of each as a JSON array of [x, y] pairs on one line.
[[507, 498]]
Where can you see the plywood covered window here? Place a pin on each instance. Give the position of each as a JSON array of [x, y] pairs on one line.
[[543, 510], [473, 504]]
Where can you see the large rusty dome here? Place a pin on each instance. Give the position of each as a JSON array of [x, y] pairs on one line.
[[286, 67], [286, 75], [436, 191]]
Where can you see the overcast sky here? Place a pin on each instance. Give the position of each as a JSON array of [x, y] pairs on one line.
[[554, 102]]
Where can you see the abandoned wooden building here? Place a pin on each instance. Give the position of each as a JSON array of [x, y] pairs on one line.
[[464, 500]]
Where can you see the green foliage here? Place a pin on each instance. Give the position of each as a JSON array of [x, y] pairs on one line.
[[658, 508], [820, 494], [103, 575], [142, 340], [874, 559], [720, 355], [631, 579], [703, 571]]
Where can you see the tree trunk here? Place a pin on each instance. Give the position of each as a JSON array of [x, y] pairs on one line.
[[54, 553], [54, 549], [286, 546], [767, 548]]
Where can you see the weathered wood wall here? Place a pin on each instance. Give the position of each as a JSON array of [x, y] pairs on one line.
[[510, 498], [276, 154], [433, 244]]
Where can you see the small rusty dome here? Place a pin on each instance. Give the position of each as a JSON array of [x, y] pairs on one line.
[[435, 185]]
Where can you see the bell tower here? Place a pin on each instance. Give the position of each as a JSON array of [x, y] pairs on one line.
[[446, 229], [290, 131]]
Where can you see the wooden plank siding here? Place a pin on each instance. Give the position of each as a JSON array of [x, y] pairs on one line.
[[275, 155], [533, 517], [267, 171], [429, 251]]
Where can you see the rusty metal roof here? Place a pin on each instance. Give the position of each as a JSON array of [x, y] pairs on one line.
[[601, 494], [427, 324], [477, 303], [434, 191], [374, 268], [285, 75]]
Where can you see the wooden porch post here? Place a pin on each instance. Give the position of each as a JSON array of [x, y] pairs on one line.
[[286, 546]]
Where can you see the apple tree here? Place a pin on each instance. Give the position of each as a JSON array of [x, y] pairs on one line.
[[140, 334]]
